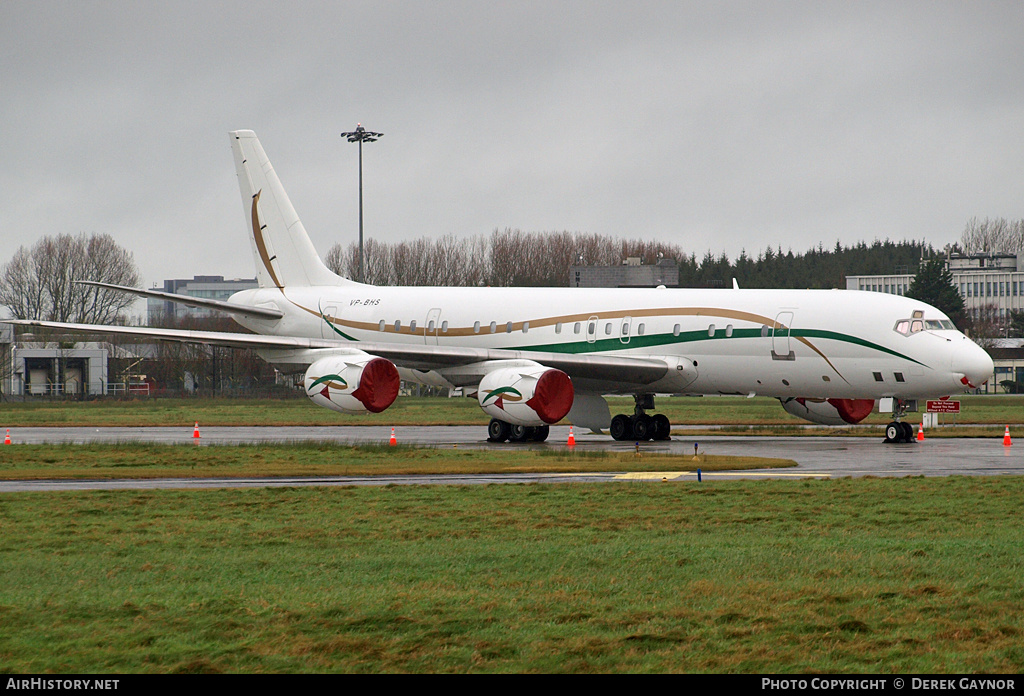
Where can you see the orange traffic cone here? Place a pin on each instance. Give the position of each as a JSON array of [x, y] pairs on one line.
[[7, 438], [1006, 437], [195, 433], [572, 438], [392, 441], [920, 433]]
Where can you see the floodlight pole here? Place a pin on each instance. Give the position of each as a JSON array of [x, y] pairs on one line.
[[358, 136]]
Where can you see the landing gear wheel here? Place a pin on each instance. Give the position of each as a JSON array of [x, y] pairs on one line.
[[540, 434], [498, 431], [521, 433], [621, 428], [908, 432], [642, 427], [893, 432], [662, 427]]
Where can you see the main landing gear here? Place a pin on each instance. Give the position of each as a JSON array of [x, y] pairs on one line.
[[898, 431], [499, 431], [641, 426]]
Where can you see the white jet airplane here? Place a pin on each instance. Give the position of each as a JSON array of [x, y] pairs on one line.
[[535, 356]]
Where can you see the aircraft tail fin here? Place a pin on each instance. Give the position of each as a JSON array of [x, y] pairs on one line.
[[283, 253]]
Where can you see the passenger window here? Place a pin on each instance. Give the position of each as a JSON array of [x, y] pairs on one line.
[[728, 331], [380, 326], [508, 327], [476, 327], [494, 327], [592, 328], [576, 328], [675, 330], [608, 329], [412, 326], [640, 330], [398, 325], [711, 331], [558, 328], [444, 327], [526, 327]]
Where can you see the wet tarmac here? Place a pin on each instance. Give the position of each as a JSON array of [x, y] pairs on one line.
[[817, 456]]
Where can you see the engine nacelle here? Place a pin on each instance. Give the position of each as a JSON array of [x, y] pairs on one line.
[[531, 396], [829, 411], [352, 383]]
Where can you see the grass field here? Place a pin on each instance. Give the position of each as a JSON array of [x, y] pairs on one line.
[[758, 413], [144, 460], [840, 576], [862, 575]]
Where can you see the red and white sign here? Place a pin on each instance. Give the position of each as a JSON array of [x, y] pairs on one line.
[[943, 407]]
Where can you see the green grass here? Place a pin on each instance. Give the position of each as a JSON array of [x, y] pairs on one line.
[[146, 460], [730, 411], [838, 576]]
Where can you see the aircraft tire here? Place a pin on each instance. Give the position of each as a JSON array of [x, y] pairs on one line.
[[662, 427], [621, 428], [894, 432], [908, 432], [498, 430], [642, 427], [520, 433], [540, 434]]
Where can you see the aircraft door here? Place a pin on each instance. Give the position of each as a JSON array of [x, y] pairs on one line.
[[781, 349], [432, 326]]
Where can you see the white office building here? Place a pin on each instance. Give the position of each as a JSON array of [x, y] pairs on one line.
[[991, 284]]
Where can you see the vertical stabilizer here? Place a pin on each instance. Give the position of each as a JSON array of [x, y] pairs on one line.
[[281, 248]]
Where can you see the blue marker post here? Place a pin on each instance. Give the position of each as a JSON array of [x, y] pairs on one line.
[[698, 475]]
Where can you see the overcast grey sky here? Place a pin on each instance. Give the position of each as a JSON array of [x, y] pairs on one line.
[[718, 125]]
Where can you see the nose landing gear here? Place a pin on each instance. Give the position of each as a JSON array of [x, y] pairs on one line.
[[898, 431]]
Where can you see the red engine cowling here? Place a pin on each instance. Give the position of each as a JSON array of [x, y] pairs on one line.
[[829, 411], [531, 396], [352, 383]]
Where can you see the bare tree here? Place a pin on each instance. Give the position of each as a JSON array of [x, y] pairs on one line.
[[39, 283], [993, 236]]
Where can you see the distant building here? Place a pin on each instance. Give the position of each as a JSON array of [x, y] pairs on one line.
[[206, 287], [992, 285], [630, 274]]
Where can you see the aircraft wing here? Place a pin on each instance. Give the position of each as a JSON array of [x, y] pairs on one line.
[[606, 369]]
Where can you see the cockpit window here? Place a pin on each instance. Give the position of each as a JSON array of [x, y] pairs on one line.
[[915, 325]]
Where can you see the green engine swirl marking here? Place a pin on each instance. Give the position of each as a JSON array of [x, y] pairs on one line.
[[332, 381], [508, 393]]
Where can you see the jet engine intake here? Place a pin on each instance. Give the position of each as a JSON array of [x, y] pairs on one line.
[[829, 411], [530, 396], [352, 383]]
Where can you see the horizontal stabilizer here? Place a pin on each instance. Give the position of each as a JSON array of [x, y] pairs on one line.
[[218, 305]]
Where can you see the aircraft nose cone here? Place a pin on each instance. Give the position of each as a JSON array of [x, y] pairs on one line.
[[971, 361]]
